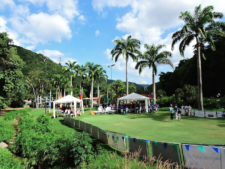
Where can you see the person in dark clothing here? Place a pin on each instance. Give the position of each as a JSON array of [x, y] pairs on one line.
[[171, 112]]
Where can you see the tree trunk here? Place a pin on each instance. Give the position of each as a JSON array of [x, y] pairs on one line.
[[98, 95], [153, 87], [71, 85], [92, 84], [64, 92], [199, 69], [127, 85]]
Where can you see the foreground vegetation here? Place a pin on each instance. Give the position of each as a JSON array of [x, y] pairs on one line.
[[159, 127], [43, 142]]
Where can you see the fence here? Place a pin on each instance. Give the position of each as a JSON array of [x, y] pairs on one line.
[[186, 155]]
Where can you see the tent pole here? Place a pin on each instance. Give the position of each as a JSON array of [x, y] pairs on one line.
[[82, 106], [54, 109]]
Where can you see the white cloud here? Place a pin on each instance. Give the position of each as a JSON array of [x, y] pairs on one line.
[[2, 25], [55, 55], [97, 33], [6, 4], [100, 4], [66, 8], [41, 28], [47, 21]]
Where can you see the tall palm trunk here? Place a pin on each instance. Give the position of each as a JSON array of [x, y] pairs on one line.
[[98, 94], [153, 87], [71, 85], [92, 84], [127, 77], [199, 69]]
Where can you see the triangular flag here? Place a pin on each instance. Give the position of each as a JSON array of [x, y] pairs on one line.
[[156, 143], [113, 137], [165, 145], [141, 140], [216, 149], [122, 138], [201, 148], [108, 135], [117, 137], [134, 139], [146, 141], [187, 147], [175, 145], [126, 136]]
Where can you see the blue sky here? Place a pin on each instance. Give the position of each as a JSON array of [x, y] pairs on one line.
[[84, 30]]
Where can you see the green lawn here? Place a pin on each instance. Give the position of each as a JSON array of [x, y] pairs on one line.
[[159, 127]]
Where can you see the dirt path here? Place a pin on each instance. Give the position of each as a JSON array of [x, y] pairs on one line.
[[15, 125], [3, 111]]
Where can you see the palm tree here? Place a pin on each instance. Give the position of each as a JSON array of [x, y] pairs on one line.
[[100, 77], [71, 67], [151, 58], [197, 28], [92, 70], [128, 48], [81, 74]]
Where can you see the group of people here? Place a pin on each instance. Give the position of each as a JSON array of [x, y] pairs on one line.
[[178, 111], [137, 108], [128, 108], [69, 111]]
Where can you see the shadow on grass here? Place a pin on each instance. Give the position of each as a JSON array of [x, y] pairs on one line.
[[155, 116], [221, 123], [96, 142]]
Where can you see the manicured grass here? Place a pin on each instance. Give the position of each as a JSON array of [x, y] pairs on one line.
[[159, 127]]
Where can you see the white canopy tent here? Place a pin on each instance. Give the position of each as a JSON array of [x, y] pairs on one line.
[[68, 99], [134, 97]]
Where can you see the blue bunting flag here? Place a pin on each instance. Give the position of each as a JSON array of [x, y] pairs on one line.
[[187, 147]]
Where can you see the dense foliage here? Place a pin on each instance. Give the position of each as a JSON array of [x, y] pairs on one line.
[[213, 72], [12, 86], [46, 149], [8, 161]]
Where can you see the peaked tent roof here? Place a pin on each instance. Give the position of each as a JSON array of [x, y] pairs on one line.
[[67, 99], [133, 96]]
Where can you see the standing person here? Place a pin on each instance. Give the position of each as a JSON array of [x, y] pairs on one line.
[[189, 110], [176, 111], [179, 114], [171, 112]]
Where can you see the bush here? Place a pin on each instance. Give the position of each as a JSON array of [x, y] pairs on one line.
[[166, 101], [46, 149], [13, 114], [3, 104], [211, 103], [8, 161], [6, 130], [81, 149]]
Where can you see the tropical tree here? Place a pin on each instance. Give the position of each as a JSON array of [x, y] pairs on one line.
[[12, 86], [71, 67], [92, 70], [100, 77], [81, 74], [197, 27], [128, 48], [150, 59]]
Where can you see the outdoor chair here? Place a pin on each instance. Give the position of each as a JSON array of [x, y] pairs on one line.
[[99, 111]]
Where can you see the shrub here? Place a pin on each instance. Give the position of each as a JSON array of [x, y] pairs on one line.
[[166, 101], [211, 103], [46, 149], [6, 130], [8, 161], [13, 114], [81, 149]]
